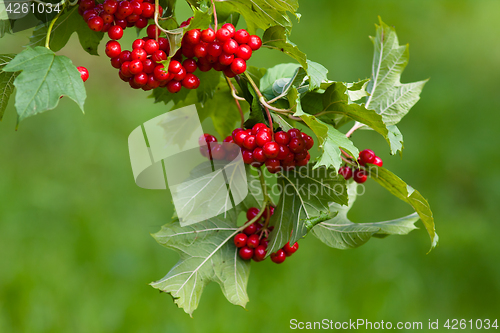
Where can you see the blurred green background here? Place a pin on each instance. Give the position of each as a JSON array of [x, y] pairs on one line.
[[75, 250]]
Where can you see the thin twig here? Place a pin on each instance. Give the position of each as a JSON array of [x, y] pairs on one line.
[[215, 15], [233, 92], [355, 127], [257, 91], [49, 30]]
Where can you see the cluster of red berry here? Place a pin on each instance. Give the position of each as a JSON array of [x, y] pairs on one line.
[[253, 241], [225, 50], [286, 151], [217, 151], [360, 175], [114, 16], [141, 67]]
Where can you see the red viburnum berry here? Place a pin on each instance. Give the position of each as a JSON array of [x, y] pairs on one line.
[[84, 73], [278, 257]]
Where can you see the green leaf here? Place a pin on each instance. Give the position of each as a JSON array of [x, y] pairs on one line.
[[255, 197], [395, 139], [206, 254], [278, 72], [185, 95], [336, 103], [44, 79], [317, 74], [65, 26], [262, 14], [280, 87], [5, 27], [208, 84], [330, 139], [282, 123], [305, 194], [225, 13], [388, 96], [277, 38], [401, 190], [341, 233], [6, 82]]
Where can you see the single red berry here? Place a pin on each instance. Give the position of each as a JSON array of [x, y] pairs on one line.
[[115, 32], [84, 73], [200, 50], [258, 155], [204, 65], [188, 51], [225, 60], [242, 36], [135, 66], [259, 253], [283, 152], [230, 46], [257, 127], [246, 253], [304, 161], [308, 140], [206, 139], [160, 73], [190, 65], [86, 4], [297, 145], [247, 156], [251, 229], [378, 161], [301, 156], [181, 75], [250, 142], [175, 67], [294, 133], [124, 9], [141, 79], [113, 49], [125, 56], [218, 153], [271, 149], [138, 44], [140, 54], [264, 242], [208, 35], [191, 81], [88, 14], [174, 86], [278, 257], [283, 138], [115, 62], [223, 35], [239, 137], [252, 212], [244, 52], [289, 250], [125, 69], [262, 138], [253, 241], [158, 56], [228, 72], [240, 240], [290, 157], [192, 37], [136, 7], [229, 27], [121, 23], [254, 42], [141, 23], [366, 156], [152, 83], [151, 46], [360, 176], [107, 18], [164, 44], [215, 49], [345, 172], [148, 10], [95, 23], [238, 66], [153, 31], [273, 165]]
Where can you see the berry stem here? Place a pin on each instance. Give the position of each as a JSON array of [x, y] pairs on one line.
[[215, 16], [236, 98], [157, 12], [49, 30], [261, 97], [355, 127]]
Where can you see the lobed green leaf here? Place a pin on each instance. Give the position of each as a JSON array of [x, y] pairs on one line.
[[6, 82]]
